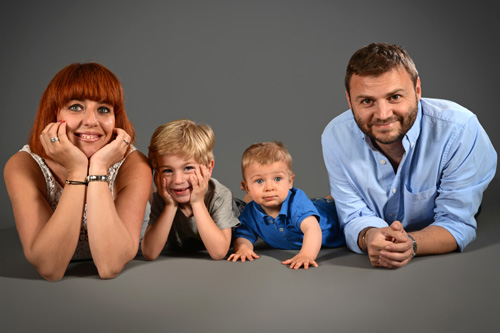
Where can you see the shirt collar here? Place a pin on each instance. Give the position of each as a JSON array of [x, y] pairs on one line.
[[283, 211]]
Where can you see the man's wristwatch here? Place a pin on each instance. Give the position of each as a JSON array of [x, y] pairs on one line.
[[414, 246]]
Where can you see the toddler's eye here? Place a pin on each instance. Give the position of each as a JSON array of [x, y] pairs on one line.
[[259, 181], [166, 171], [189, 168], [277, 179]]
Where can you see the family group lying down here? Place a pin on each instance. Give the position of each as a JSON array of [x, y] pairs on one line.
[[408, 181]]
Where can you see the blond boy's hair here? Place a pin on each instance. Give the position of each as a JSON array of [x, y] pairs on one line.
[[182, 137], [266, 153]]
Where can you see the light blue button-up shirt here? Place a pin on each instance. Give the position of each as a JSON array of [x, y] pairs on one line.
[[448, 163]]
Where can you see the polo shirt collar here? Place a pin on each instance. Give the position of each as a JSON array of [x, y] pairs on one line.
[[283, 211]]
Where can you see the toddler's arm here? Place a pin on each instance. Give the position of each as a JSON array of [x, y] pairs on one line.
[[310, 247], [243, 250]]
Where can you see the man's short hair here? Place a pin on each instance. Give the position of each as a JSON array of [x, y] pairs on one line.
[[378, 58], [266, 153], [185, 138]]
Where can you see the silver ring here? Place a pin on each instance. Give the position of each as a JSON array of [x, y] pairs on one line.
[[54, 139], [126, 142]]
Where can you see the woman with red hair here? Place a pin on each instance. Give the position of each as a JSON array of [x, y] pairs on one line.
[[79, 189]]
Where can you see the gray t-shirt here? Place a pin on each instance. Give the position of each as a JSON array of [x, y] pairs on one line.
[[184, 233]]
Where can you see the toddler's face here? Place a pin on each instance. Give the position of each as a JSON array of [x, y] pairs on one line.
[[177, 170], [268, 185]]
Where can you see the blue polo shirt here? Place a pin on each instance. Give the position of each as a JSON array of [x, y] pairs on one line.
[[283, 232]]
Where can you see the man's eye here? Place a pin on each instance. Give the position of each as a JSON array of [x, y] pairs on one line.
[[76, 107], [366, 101], [395, 97]]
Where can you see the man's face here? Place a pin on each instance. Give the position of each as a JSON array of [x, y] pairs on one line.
[[385, 106]]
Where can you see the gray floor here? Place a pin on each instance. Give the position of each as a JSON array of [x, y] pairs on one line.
[[456, 292]]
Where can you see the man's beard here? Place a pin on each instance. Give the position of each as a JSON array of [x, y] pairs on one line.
[[406, 124]]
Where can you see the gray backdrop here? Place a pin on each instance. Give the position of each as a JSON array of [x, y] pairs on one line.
[[253, 70]]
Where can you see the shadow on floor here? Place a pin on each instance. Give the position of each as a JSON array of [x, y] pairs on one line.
[[14, 265]]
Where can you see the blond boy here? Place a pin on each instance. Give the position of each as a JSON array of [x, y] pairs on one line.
[[280, 214], [190, 210]]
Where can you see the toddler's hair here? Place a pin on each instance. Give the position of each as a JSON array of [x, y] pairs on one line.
[[182, 137], [266, 153]]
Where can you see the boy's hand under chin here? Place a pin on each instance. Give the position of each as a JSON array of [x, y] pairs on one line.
[[161, 186], [199, 183]]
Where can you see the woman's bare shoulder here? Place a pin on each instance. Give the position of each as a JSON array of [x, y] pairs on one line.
[[21, 168], [135, 167]]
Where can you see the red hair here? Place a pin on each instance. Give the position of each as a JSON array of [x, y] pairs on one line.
[[79, 81]]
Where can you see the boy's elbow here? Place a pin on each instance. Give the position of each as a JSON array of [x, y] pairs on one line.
[[219, 254], [148, 254]]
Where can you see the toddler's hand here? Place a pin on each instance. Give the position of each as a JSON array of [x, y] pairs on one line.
[[301, 260], [243, 254]]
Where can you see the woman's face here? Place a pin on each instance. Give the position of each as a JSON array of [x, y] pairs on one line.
[[90, 124]]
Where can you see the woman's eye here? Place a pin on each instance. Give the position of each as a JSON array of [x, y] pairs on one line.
[[103, 109], [76, 107]]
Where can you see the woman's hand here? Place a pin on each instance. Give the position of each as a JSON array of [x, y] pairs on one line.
[[59, 149], [111, 153]]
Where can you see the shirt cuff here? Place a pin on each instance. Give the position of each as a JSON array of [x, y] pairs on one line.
[[354, 227]]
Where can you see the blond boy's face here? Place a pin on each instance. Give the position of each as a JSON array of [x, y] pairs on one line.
[[268, 185], [177, 170]]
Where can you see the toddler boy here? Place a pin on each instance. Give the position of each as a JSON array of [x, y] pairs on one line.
[[280, 214]]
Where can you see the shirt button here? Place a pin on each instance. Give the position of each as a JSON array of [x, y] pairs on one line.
[[413, 144], [394, 190], [391, 215], [271, 221], [281, 229], [382, 162]]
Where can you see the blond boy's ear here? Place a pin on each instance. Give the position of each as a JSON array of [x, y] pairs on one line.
[[210, 167], [292, 177]]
